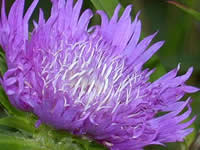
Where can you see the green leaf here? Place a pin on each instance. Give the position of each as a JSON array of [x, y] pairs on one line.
[[18, 123], [10, 142], [63, 140], [190, 11], [44, 137], [107, 5]]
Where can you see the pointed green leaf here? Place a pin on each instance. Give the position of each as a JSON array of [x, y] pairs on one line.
[[9, 142], [17, 123], [107, 5], [63, 140], [190, 11]]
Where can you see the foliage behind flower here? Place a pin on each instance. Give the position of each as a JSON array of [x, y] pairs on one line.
[[90, 81]]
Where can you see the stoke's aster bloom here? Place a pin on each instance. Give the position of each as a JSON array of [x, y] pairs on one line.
[[90, 81]]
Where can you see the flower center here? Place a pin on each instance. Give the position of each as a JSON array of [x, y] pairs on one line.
[[90, 74]]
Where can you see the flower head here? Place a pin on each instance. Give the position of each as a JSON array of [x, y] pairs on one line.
[[90, 80]]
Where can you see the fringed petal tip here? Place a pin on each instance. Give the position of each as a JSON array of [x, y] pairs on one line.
[[189, 89], [119, 30]]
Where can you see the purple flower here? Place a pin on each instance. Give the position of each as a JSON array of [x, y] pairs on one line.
[[90, 81]]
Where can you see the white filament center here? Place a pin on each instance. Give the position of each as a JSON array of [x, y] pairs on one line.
[[89, 75]]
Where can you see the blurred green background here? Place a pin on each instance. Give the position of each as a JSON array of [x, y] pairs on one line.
[[180, 30]]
